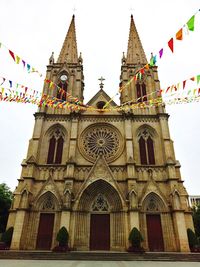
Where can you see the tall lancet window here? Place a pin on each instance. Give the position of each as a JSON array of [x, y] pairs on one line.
[[55, 151], [146, 147], [141, 92], [63, 85]]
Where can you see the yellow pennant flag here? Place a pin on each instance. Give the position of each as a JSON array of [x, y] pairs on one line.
[[17, 59]]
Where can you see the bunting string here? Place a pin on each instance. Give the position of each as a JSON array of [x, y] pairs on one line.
[[18, 60], [48, 101], [180, 35]]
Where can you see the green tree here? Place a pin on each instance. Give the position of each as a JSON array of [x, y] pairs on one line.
[[62, 236], [7, 236], [192, 238], [5, 203], [196, 219], [135, 238]]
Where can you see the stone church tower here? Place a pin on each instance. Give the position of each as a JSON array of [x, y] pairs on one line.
[[100, 173]]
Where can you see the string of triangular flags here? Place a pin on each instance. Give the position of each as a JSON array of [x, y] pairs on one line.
[[187, 27], [20, 61], [174, 94], [22, 90]]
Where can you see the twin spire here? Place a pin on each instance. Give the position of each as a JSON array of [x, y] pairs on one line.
[[69, 51], [135, 52]]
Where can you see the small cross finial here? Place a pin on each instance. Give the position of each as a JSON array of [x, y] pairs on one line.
[[101, 82], [74, 10], [131, 10]]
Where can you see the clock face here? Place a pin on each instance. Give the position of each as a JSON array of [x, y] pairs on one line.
[[63, 77]]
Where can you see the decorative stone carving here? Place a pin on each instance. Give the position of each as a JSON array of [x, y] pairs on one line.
[[48, 203], [67, 203], [101, 139], [132, 200], [100, 204]]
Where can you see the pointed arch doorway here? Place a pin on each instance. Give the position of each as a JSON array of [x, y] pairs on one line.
[[100, 224], [99, 221], [154, 206], [100, 232], [47, 205], [154, 232]]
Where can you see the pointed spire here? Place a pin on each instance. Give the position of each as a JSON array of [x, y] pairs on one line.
[[69, 51], [135, 52]]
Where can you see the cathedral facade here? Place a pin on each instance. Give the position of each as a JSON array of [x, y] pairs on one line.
[[100, 173]]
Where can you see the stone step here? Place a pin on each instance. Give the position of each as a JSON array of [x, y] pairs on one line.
[[100, 256]]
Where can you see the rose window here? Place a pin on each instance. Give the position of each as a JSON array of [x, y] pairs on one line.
[[101, 140]]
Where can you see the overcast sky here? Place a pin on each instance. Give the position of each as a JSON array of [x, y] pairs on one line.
[[34, 28]]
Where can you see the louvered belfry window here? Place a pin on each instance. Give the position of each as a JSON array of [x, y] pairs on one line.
[[141, 92]]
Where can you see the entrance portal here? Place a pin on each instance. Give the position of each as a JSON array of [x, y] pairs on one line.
[[100, 232], [154, 231], [45, 231]]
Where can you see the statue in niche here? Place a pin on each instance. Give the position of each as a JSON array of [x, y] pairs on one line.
[[67, 199], [176, 198], [132, 200], [24, 200]]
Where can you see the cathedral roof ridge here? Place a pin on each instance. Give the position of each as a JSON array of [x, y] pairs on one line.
[[101, 92]]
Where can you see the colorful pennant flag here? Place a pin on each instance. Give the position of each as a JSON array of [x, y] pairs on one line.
[[171, 44], [190, 23], [161, 52], [179, 34], [12, 54]]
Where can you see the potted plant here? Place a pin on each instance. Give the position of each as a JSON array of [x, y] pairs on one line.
[[135, 239], [6, 239], [62, 238], [193, 241]]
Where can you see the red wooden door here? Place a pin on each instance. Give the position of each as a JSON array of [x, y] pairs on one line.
[[45, 231], [154, 231], [100, 232]]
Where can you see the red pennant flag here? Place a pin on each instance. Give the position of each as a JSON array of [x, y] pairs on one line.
[[171, 44], [184, 82], [179, 34], [142, 71], [12, 54], [167, 89], [199, 91]]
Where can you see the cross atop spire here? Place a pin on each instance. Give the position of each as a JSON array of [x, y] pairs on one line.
[[135, 52], [69, 51], [101, 82]]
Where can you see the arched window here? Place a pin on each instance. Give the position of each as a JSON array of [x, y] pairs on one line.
[[141, 92], [63, 85], [146, 148], [55, 147]]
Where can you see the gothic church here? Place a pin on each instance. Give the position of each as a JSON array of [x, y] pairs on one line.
[[99, 173]]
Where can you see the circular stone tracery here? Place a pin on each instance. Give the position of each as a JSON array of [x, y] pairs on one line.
[[101, 139]]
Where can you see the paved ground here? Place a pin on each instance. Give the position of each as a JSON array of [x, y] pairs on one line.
[[55, 263]]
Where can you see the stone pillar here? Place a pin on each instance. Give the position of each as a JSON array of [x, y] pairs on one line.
[[181, 231], [73, 138], [168, 144], [18, 227], [134, 219], [65, 219]]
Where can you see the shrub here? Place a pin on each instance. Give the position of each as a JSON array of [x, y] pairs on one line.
[[192, 239], [62, 236], [135, 238], [7, 236]]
